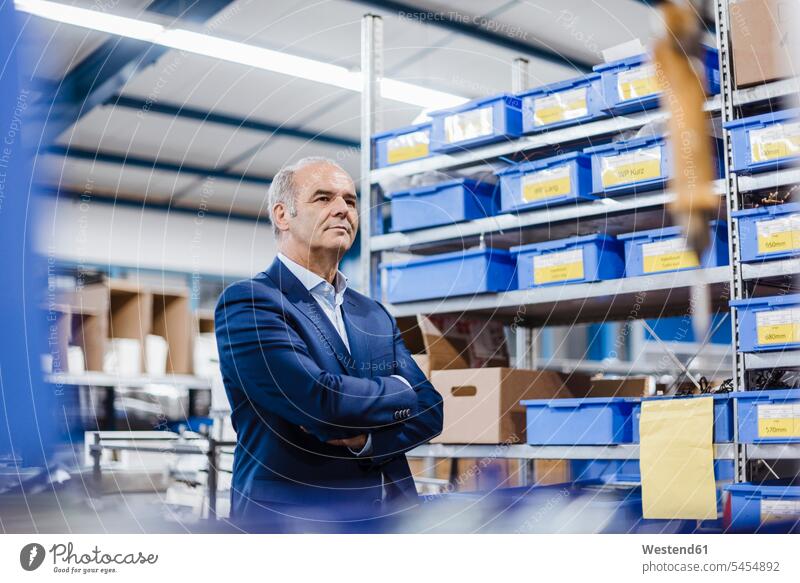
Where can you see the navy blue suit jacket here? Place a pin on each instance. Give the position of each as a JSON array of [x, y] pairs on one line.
[[293, 385]]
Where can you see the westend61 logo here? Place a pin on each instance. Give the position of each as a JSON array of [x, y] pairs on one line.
[[66, 560]]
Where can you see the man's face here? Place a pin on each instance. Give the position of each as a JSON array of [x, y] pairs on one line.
[[326, 207]]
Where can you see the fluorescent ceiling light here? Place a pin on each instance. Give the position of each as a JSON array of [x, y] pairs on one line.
[[234, 52], [84, 18]]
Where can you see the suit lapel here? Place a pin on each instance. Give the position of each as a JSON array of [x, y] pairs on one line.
[[300, 298], [356, 324]]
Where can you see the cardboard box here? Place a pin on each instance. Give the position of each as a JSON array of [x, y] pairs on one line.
[[482, 405], [90, 299], [549, 472], [423, 362], [450, 342], [623, 387], [204, 321], [173, 321], [761, 40], [466, 474], [469, 475], [130, 312], [84, 322]]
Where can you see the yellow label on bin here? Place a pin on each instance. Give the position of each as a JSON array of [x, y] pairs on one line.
[[777, 428], [407, 147], [778, 420], [543, 116], [778, 327], [780, 140], [560, 106], [630, 167], [559, 266], [469, 125], [668, 255], [777, 334], [777, 235], [639, 82], [546, 184]]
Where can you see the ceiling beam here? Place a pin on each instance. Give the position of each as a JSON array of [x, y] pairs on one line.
[[77, 195], [448, 21], [101, 75], [150, 164], [185, 112]]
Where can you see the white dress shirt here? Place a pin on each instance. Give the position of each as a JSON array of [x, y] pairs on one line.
[[329, 298]]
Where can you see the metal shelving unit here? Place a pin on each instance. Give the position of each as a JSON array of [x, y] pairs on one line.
[[654, 295], [625, 451], [483, 155], [100, 379], [746, 277], [612, 214]]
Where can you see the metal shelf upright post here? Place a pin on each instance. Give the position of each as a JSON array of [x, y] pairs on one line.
[[732, 204], [744, 277]]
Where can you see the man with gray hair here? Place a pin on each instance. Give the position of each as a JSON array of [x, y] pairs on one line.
[[325, 396]]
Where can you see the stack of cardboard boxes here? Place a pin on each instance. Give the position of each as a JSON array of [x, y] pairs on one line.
[[467, 362], [98, 316]]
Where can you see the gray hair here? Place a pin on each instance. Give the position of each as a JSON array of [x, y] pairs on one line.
[[282, 188]]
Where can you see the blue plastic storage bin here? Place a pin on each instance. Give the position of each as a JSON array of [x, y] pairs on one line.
[[550, 181], [634, 165], [769, 232], [665, 250], [765, 142], [723, 415], [450, 274], [444, 203], [680, 329], [574, 260], [632, 84], [587, 421], [769, 416], [563, 103], [402, 145], [476, 123], [774, 503], [770, 323]]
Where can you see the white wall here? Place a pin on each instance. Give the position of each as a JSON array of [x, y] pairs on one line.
[[98, 233]]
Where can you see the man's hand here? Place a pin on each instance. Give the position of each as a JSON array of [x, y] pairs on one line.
[[356, 443]]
